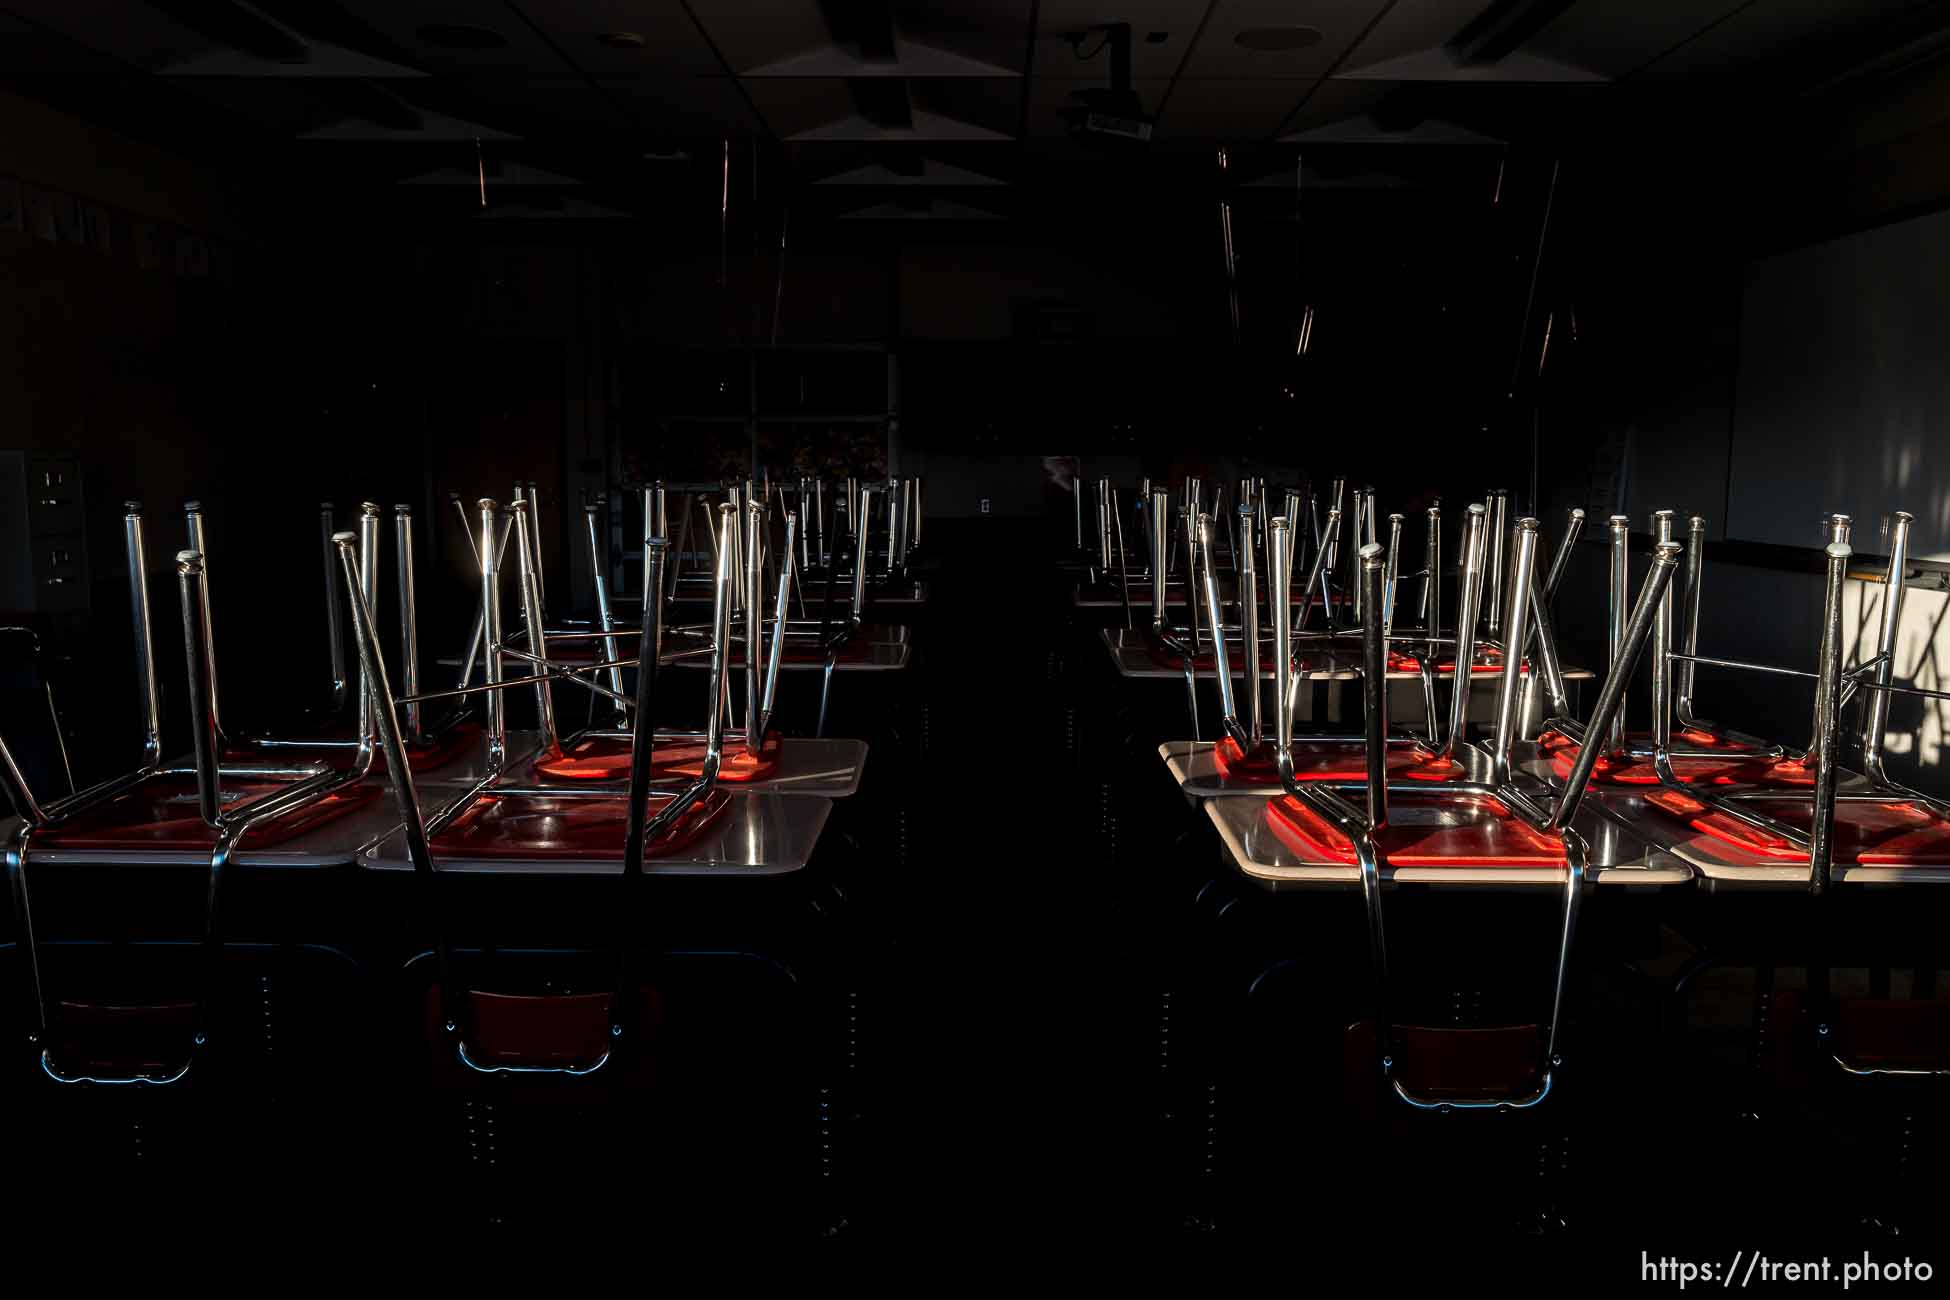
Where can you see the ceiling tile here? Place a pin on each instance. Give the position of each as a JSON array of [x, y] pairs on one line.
[[1219, 54], [1330, 101], [1057, 60], [133, 33], [1438, 64], [671, 42], [911, 59], [753, 33], [1615, 40], [933, 174], [401, 20], [1235, 109], [790, 106], [680, 106], [1772, 29]]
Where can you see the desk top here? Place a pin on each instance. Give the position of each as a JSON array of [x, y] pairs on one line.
[[1724, 866], [822, 768], [1256, 852], [874, 648], [759, 834], [1131, 652], [1335, 658], [1193, 767]]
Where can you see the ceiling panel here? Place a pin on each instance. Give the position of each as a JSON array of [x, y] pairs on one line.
[[1056, 59], [1237, 109], [991, 102], [1219, 53], [1413, 25], [910, 59], [671, 41], [994, 31], [1773, 29], [932, 173], [953, 108], [1330, 101], [680, 106], [401, 20], [753, 33], [790, 107], [559, 104], [131, 32], [1614, 40], [278, 108]]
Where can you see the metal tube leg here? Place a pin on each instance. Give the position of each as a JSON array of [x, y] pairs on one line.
[[1621, 535], [1662, 660], [196, 656], [496, 705], [1499, 524], [1523, 568], [1374, 685], [193, 512], [145, 647], [605, 619], [1249, 624], [1639, 627], [409, 619], [1689, 636], [1469, 608], [1875, 718], [754, 619], [334, 630], [1821, 837], [531, 618], [368, 587]]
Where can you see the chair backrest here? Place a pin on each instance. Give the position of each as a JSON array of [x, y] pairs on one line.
[[117, 1044], [508, 1023], [1365, 825]]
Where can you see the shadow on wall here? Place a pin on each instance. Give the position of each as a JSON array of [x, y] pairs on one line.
[[1919, 729], [1770, 616]]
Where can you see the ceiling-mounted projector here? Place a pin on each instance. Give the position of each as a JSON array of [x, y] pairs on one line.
[[1112, 114]]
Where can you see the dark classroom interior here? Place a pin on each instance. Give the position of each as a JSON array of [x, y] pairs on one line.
[[1044, 629]]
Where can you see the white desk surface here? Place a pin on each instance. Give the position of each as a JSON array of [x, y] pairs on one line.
[[1252, 848], [1723, 866], [333, 843], [820, 768], [1197, 773], [1130, 651], [757, 835]]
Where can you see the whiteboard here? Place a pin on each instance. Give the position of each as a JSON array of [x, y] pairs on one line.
[[1842, 398]]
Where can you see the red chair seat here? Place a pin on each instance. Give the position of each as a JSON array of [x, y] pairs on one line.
[[547, 1031], [160, 815], [1424, 830], [528, 827], [1736, 765], [581, 652], [1891, 1034], [857, 650], [1866, 834], [110, 1041], [1488, 659], [1450, 1063], [607, 758], [1206, 662], [1340, 761], [564, 1031], [437, 752]]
